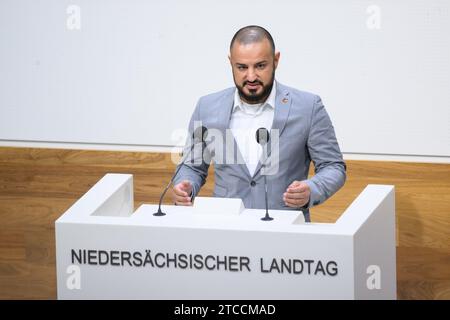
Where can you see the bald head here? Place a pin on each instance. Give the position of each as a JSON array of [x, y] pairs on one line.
[[252, 34]]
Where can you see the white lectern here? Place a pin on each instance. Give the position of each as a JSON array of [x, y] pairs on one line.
[[105, 251]]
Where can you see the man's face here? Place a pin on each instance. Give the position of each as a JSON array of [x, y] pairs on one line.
[[253, 68]]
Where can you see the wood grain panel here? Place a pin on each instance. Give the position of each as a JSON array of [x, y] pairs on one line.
[[422, 199], [12, 245], [38, 185]]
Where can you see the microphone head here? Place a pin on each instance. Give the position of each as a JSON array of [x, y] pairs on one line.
[[262, 136], [200, 134]]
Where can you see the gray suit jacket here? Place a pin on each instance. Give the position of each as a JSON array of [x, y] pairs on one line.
[[305, 134]]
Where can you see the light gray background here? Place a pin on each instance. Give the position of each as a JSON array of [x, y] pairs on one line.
[[135, 70]]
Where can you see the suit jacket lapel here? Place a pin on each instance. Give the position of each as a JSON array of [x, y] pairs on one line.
[[223, 124], [282, 106], [223, 115]]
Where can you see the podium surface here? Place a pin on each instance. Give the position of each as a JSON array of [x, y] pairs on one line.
[[105, 251]]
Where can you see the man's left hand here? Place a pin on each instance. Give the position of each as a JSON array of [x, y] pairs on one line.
[[297, 194]]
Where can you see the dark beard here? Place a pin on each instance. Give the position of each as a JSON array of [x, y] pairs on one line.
[[256, 98]]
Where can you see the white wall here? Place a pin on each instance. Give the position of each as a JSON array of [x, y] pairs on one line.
[[134, 71]]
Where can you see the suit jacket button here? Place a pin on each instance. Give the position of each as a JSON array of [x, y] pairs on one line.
[[253, 183]]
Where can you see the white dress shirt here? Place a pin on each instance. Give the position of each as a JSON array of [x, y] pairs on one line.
[[245, 120]]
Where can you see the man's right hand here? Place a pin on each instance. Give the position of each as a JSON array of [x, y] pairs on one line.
[[182, 193]]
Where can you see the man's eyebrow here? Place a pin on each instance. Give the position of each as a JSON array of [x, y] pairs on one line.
[[244, 65]]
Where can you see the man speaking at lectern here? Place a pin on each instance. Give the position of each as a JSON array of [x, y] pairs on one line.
[[303, 129]]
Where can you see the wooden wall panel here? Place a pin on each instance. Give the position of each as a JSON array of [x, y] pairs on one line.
[[38, 185]]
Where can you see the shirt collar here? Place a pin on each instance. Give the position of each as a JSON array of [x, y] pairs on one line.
[[270, 102]]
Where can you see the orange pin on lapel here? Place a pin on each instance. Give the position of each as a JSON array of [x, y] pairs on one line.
[[285, 100]]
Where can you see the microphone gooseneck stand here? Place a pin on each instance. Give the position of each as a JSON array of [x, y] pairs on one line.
[[262, 137], [199, 134]]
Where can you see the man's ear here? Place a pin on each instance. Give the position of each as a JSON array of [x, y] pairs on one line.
[[276, 58], [229, 59]]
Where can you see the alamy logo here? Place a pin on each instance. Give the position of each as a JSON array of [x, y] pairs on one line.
[[374, 280], [74, 17], [219, 146], [74, 279], [373, 21]]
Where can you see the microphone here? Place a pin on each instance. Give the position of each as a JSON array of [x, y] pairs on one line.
[[262, 137], [199, 135]]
